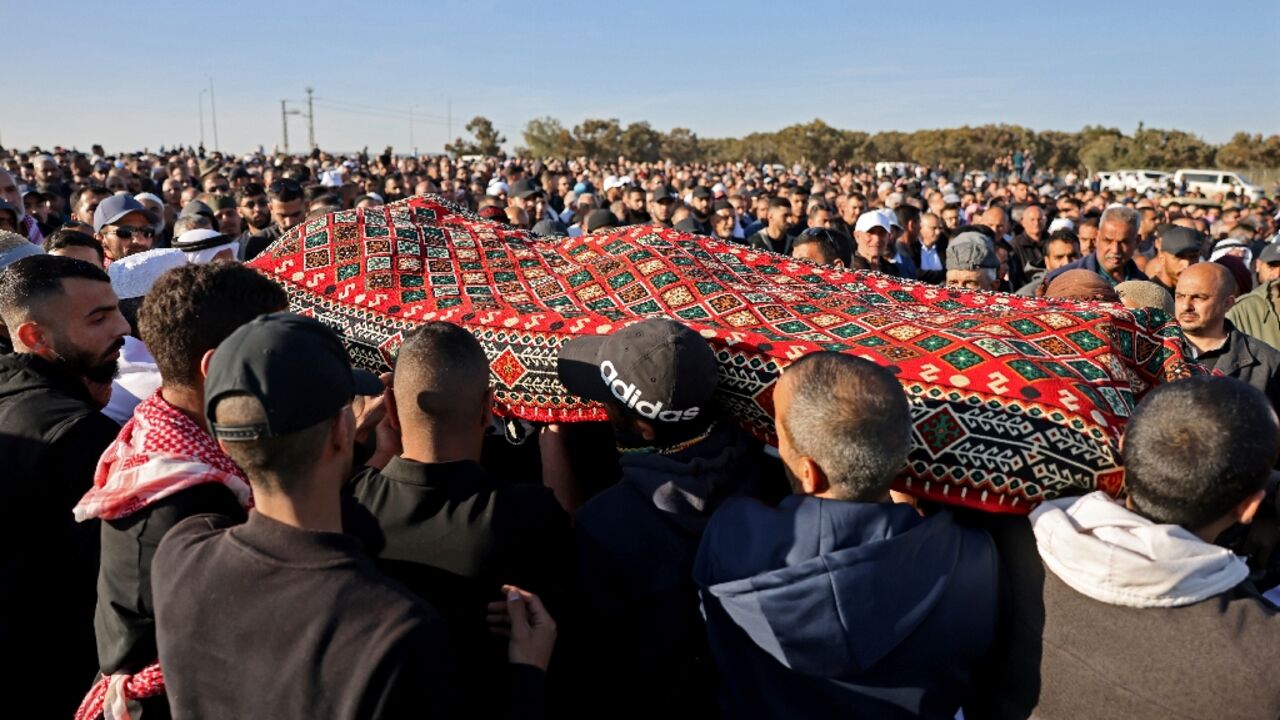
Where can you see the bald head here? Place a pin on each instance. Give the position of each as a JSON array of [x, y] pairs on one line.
[[1210, 275], [997, 219], [1205, 292], [441, 381]]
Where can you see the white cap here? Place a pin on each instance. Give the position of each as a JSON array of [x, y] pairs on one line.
[[611, 182], [496, 189], [133, 275], [719, 188], [331, 178], [1061, 224], [872, 219], [884, 187]]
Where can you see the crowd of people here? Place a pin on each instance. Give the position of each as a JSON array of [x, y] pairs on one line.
[[215, 515]]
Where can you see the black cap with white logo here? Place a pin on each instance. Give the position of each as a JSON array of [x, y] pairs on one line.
[[656, 369]]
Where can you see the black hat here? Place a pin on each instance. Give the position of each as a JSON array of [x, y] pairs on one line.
[[689, 225], [702, 191], [597, 219], [662, 194], [1177, 240], [719, 205], [294, 365], [657, 369], [525, 188]]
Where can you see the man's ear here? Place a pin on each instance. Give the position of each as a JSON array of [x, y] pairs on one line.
[[33, 338], [1247, 508], [204, 365], [644, 429], [393, 410], [838, 263], [812, 479]]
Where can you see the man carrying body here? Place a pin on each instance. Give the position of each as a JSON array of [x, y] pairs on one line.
[[500, 533], [839, 601], [637, 539]]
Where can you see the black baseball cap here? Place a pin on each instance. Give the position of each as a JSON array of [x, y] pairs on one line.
[[1177, 240], [294, 365], [599, 218], [525, 188], [661, 194], [656, 369], [702, 191]]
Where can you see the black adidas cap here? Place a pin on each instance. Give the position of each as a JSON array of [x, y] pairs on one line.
[[294, 365], [655, 369]]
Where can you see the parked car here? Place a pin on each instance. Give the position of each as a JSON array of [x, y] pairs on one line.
[[1215, 182]]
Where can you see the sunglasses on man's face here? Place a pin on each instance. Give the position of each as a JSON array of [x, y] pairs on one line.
[[126, 232]]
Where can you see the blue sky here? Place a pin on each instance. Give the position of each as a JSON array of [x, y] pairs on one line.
[[129, 75]]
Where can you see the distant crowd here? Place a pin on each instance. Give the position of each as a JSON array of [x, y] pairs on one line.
[[215, 515]]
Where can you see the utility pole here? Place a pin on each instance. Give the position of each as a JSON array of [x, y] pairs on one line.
[[284, 122], [201, 96], [213, 112], [412, 149], [311, 121], [449, 102]]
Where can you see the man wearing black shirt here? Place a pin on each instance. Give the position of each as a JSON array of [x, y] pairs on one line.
[[773, 237], [497, 532], [285, 616]]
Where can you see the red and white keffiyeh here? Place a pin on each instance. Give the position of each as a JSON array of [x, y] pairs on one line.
[[159, 452]]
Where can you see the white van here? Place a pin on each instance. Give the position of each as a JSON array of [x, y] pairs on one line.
[[1215, 182]]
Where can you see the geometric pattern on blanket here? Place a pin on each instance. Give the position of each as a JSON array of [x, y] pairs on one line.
[[1014, 400]]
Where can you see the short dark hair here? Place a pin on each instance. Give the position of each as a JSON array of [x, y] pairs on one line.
[[279, 463], [441, 374], [907, 213], [193, 308], [1195, 448], [250, 190], [1064, 235], [31, 280], [60, 239], [852, 417], [834, 244], [778, 201]]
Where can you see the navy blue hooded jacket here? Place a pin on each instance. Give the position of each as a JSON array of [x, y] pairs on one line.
[[636, 544], [823, 608]]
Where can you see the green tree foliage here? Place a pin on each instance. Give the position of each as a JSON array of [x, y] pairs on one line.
[[1092, 148], [487, 140]]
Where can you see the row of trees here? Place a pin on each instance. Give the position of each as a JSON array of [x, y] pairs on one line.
[[815, 142]]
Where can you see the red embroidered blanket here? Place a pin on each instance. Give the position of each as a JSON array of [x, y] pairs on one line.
[[1014, 399]]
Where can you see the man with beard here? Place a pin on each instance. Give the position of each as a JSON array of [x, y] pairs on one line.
[[123, 226], [10, 193], [662, 207], [254, 209], [635, 213], [67, 331]]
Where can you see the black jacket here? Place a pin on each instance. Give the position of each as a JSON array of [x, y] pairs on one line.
[[636, 545], [760, 240], [1248, 359], [822, 608], [125, 618], [454, 535], [933, 277], [51, 436], [265, 619]]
